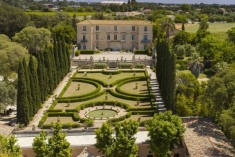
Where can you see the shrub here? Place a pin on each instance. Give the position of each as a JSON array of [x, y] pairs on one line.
[[108, 72], [87, 51], [100, 65], [141, 52], [77, 53], [55, 110], [65, 88], [125, 65]]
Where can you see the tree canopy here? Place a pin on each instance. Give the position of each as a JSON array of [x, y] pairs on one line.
[[123, 144], [56, 146], [34, 39], [165, 130], [12, 19], [11, 54], [8, 147]]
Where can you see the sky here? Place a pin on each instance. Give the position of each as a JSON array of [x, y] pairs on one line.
[[172, 1]]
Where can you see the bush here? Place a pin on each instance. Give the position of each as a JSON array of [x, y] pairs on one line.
[[108, 72], [55, 110], [65, 88], [128, 97], [77, 53], [141, 52], [124, 65], [87, 51], [100, 65], [139, 66]]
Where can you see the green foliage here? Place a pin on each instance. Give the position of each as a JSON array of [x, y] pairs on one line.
[[123, 144], [141, 52], [11, 54], [8, 146], [167, 25], [87, 51], [100, 65], [165, 130], [18, 20], [66, 31], [34, 39], [231, 34], [182, 38], [124, 65], [42, 148]]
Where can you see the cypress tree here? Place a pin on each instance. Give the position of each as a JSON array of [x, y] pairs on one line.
[[56, 57], [29, 96], [183, 27], [53, 67], [22, 100], [35, 90], [41, 77]]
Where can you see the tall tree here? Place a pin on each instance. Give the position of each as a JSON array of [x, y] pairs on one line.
[[165, 130], [168, 26], [56, 146], [34, 84], [22, 100], [8, 147], [123, 144]]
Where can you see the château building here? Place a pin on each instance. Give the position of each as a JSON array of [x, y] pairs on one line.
[[114, 34]]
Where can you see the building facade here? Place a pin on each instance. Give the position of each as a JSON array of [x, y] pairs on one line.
[[114, 35]]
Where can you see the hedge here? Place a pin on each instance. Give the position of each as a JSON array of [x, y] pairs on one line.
[[151, 112], [64, 126], [53, 104], [89, 97], [113, 120], [74, 115], [141, 52], [113, 72], [87, 51], [128, 97], [100, 65], [55, 110], [139, 66], [123, 65], [94, 80], [65, 88], [40, 124]]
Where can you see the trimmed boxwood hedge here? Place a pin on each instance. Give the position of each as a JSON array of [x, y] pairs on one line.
[[100, 65], [53, 104], [124, 65], [128, 97], [141, 52], [74, 115], [64, 126], [55, 110], [65, 88], [94, 80], [88, 97], [113, 72], [87, 51]]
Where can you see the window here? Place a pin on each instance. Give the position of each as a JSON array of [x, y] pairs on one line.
[[84, 47], [145, 28], [84, 38], [115, 28], [97, 28], [133, 28], [97, 37], [123, 37], [133, 37], [84, 28], [145, 38], [115, 37], [108, 37]]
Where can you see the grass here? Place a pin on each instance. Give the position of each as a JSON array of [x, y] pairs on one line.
[[131, 87], [102, 113], [73, 89], [213, 27], [142, 117], [106, 78], [54, 12], [63, 120]]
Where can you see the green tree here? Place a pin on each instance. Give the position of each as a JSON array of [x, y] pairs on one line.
[[123, 144], [165, 130], [18, 19], [185, 7], [7, 94], [57, 145], [8, 147], [231, 34], [66, 31], [167, 26], [181, 38], [34, 39], [11, 54], [22, 99]]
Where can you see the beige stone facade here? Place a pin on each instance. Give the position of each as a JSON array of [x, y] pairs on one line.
[[114, 34]]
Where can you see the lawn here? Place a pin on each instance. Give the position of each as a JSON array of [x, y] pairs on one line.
[[63, 120], [106, 78], [54, 12], [74, 91], [131, 87], [102, 113], [213, 27]]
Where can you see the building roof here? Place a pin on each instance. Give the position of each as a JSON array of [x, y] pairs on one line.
[[203, 138], [79, 140], [115, 22], [112, 2]]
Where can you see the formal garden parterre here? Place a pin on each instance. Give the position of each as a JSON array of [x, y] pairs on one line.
[[102, 95]]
